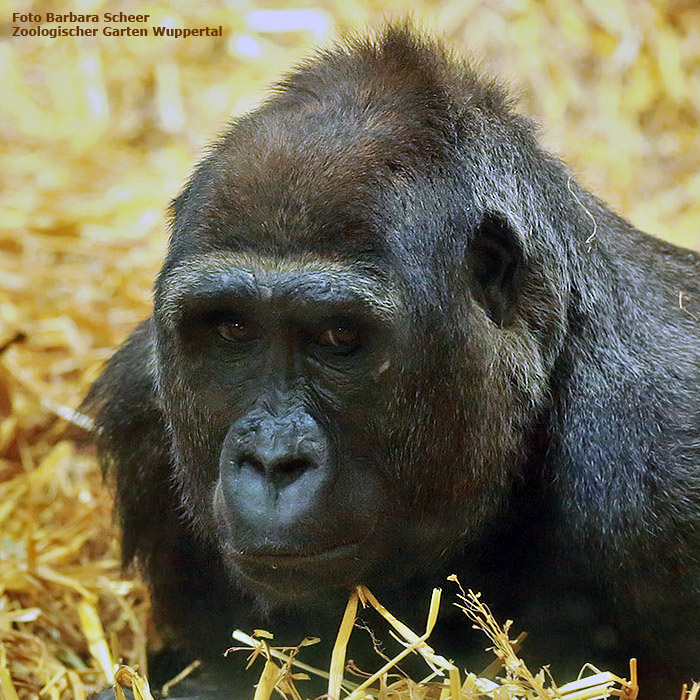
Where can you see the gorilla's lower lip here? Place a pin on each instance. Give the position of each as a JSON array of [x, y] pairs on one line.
[[297, 559]]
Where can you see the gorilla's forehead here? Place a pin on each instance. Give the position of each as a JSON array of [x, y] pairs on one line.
[[301, 183], [300, 280]]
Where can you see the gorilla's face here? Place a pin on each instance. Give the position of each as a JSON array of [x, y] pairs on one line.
[[281, 376]]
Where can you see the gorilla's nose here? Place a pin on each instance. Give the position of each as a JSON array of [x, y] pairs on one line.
[[274, 469], [280, 449], [269, 494]]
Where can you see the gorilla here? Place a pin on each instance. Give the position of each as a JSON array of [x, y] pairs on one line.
[[394, 339]]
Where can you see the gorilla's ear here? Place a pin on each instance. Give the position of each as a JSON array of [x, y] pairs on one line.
[[494, 259]]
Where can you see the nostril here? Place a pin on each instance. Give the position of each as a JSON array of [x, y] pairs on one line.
[[292, 468], [251, 461], [285, 471]]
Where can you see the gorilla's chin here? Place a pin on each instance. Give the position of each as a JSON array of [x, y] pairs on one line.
[[286, 577]]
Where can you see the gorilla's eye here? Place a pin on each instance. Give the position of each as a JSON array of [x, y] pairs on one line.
[[236, 330], [341, 338]]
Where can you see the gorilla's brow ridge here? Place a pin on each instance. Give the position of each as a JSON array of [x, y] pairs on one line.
[[195, 272]]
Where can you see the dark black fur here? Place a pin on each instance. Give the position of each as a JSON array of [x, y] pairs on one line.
[[528, 417]]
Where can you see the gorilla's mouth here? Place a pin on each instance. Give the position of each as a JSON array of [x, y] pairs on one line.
[[296, 559]]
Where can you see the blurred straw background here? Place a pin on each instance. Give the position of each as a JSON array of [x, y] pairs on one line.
[[97, 135]]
